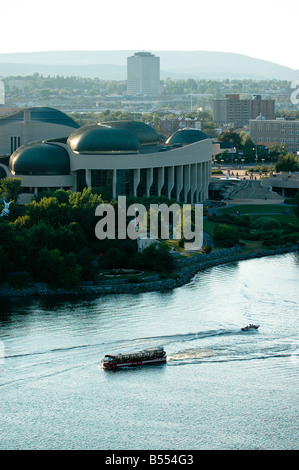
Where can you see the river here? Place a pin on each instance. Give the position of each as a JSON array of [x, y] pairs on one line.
[[221, 388]]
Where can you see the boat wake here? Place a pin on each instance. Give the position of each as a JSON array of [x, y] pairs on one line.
[[208, 346], [188, 336], [231, 354], [140, 343]]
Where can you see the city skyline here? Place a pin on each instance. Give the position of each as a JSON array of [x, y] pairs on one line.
[[256, 32]]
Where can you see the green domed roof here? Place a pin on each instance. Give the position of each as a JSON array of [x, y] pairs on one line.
[[42, 114], [40, 159], [145, 133], [186, 136], [103, 139]]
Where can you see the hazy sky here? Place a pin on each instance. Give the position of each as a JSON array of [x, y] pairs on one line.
[[258, 28]]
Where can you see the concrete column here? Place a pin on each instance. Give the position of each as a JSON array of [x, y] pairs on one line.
[[88, 178], [149, 180], [160, 179], [193, 180], [136, 176], [205, 180], [187, 182], [170, 181], [179, 181], [74, 180], [114, 184], [199, 182]]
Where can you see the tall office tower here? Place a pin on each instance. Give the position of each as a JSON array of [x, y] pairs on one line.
[[143, 74]]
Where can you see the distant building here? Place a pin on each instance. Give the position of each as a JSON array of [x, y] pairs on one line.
[[20, 83], [267, 132], [169, 126], [239, 112], [143, 74]]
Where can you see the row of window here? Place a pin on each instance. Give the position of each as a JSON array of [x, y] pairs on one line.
[[282, 140], [15, 142], [282, 131], [293, 129]]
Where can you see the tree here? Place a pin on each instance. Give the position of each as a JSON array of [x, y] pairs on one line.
[[7, 246], [41, 235], [113, 258], [231, 136], [157, 257], [52, 267], [85, 261], [49, 265], [11, 188], [287, 162], [50, 211], [248, 146], [13, 247], [278, 149]]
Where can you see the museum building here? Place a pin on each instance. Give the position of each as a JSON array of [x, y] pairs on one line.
[[125, 157]]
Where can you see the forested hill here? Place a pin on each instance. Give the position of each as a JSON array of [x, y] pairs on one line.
[[113, 65]]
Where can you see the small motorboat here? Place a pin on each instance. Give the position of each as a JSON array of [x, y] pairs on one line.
[[251, 326]]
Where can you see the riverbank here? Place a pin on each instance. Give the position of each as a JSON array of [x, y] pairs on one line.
[[187, 268]]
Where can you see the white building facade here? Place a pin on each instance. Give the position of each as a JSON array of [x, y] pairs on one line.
[[123, 157], [280, 131]]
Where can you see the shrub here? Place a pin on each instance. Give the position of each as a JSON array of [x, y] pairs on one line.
[[181, 243], [271, 234], [206, 249], [249, 235], [157, 257], [267, 223], [292, 238], [225, 236], [242, 221]]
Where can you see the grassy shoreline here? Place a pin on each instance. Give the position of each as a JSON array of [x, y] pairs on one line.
[[182, 276], [187, 262]]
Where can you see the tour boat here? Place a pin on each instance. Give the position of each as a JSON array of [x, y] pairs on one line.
[[250, 327], [139, 358]]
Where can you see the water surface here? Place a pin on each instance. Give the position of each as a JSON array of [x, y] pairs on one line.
[[220, 389]]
